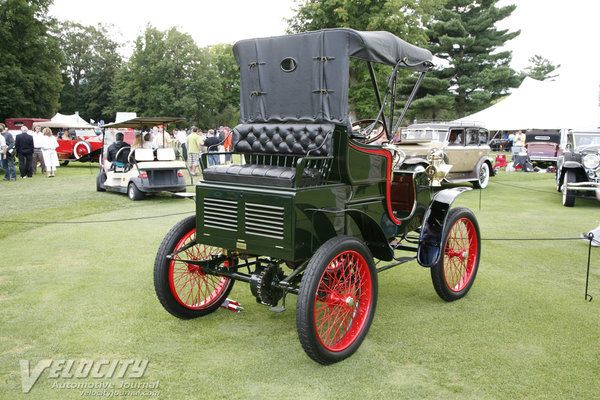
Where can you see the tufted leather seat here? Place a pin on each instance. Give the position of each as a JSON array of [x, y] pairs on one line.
[[298, 139], [290, 140]]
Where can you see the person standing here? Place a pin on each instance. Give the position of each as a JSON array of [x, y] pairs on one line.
[[49, 145], [181, 137], [38, 154], [212, 146], [2, 149], [24, 147], [193, 149], [162, 139], [8, 163]]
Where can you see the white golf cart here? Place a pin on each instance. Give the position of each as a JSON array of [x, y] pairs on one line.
[[142, 170]]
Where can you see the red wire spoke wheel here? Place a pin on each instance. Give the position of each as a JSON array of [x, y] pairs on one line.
[[182, 288], [337, 299], [455, 272]]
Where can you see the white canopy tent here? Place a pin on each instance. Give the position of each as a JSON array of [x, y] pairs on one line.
[[72, 121], [537, 104]]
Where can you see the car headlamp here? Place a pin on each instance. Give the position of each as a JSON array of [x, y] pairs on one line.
[[591, 161]]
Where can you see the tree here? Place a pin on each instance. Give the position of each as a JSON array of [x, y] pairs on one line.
[[404, 18], [168, 75], [540, 68], [463, 33], [30, 79], [90, 65]]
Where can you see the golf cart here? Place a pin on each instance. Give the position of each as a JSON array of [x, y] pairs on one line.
[[310, 203], [141, 170]]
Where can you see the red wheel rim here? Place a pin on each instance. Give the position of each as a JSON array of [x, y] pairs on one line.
[[81, 150], [189, 285], [342, 301], [460, 255]]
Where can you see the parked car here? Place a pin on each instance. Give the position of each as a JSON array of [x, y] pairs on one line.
[[140, 171], [578, 168], [542, 147], [449, 152], [309, 203], [14, 125]]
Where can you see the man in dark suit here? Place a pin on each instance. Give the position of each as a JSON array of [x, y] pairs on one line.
[[24, 147]]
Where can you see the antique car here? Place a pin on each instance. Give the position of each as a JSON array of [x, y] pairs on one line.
[[77, 140], [450, 152], [140, 171], [543, 147], [578, 167], [308, 206]]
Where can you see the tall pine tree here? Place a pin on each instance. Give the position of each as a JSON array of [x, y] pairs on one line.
[[464, 34]]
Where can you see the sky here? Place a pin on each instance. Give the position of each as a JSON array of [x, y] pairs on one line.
[[563, 32]]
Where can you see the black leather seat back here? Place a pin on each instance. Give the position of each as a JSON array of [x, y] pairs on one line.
[[283, 139]]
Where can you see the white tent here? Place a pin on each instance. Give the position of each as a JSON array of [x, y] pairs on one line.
[[73, 121], [537, 104]]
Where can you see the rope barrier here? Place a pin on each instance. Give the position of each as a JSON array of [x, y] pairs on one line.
[[96, 221]]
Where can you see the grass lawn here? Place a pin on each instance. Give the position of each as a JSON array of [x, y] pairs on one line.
[[84, 291]]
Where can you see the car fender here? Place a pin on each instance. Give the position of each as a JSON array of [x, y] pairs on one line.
[[569, 165], [430, 241], [372, 234]]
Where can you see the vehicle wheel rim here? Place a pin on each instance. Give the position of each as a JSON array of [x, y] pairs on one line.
[[80, 150], [483, 175], [460, 255], [189, 285], [342, 301]]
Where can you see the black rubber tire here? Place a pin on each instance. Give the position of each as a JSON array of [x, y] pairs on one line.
[[361, 309], [465, 222], [162, 271], [100, 179], [484, 177], [568, 196], [134, 193]]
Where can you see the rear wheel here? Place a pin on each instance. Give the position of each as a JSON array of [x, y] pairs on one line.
[[455, 272], [337, 299], [182, 288], [134, 193], [484, 177], [568, 196]]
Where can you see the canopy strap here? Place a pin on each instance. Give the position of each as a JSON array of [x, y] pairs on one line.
[[255, 64], [323, 91], [323, 58]]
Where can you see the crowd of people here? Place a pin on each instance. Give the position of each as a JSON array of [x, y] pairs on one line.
[[37, 148], [191, 143], [32, 149]]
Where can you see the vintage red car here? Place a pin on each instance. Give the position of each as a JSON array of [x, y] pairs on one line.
[[77, 140]]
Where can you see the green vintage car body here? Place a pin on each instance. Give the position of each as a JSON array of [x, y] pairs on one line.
[[312, 199]]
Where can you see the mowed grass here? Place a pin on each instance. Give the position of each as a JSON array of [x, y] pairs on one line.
[[85, 291]]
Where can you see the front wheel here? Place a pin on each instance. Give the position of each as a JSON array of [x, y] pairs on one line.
[[483, 178], [336, 301], [568, 196], [455, 272], [182, 288]]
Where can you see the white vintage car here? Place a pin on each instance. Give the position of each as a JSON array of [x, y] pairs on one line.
[[448, 152], [140, 171]]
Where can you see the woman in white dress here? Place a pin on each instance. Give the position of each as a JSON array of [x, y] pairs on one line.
[[49, 146]]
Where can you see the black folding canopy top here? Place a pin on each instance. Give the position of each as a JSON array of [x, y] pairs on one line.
[[143, 122], [304, 77]]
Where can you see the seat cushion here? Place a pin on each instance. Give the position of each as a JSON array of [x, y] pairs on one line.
[[261, 175]]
